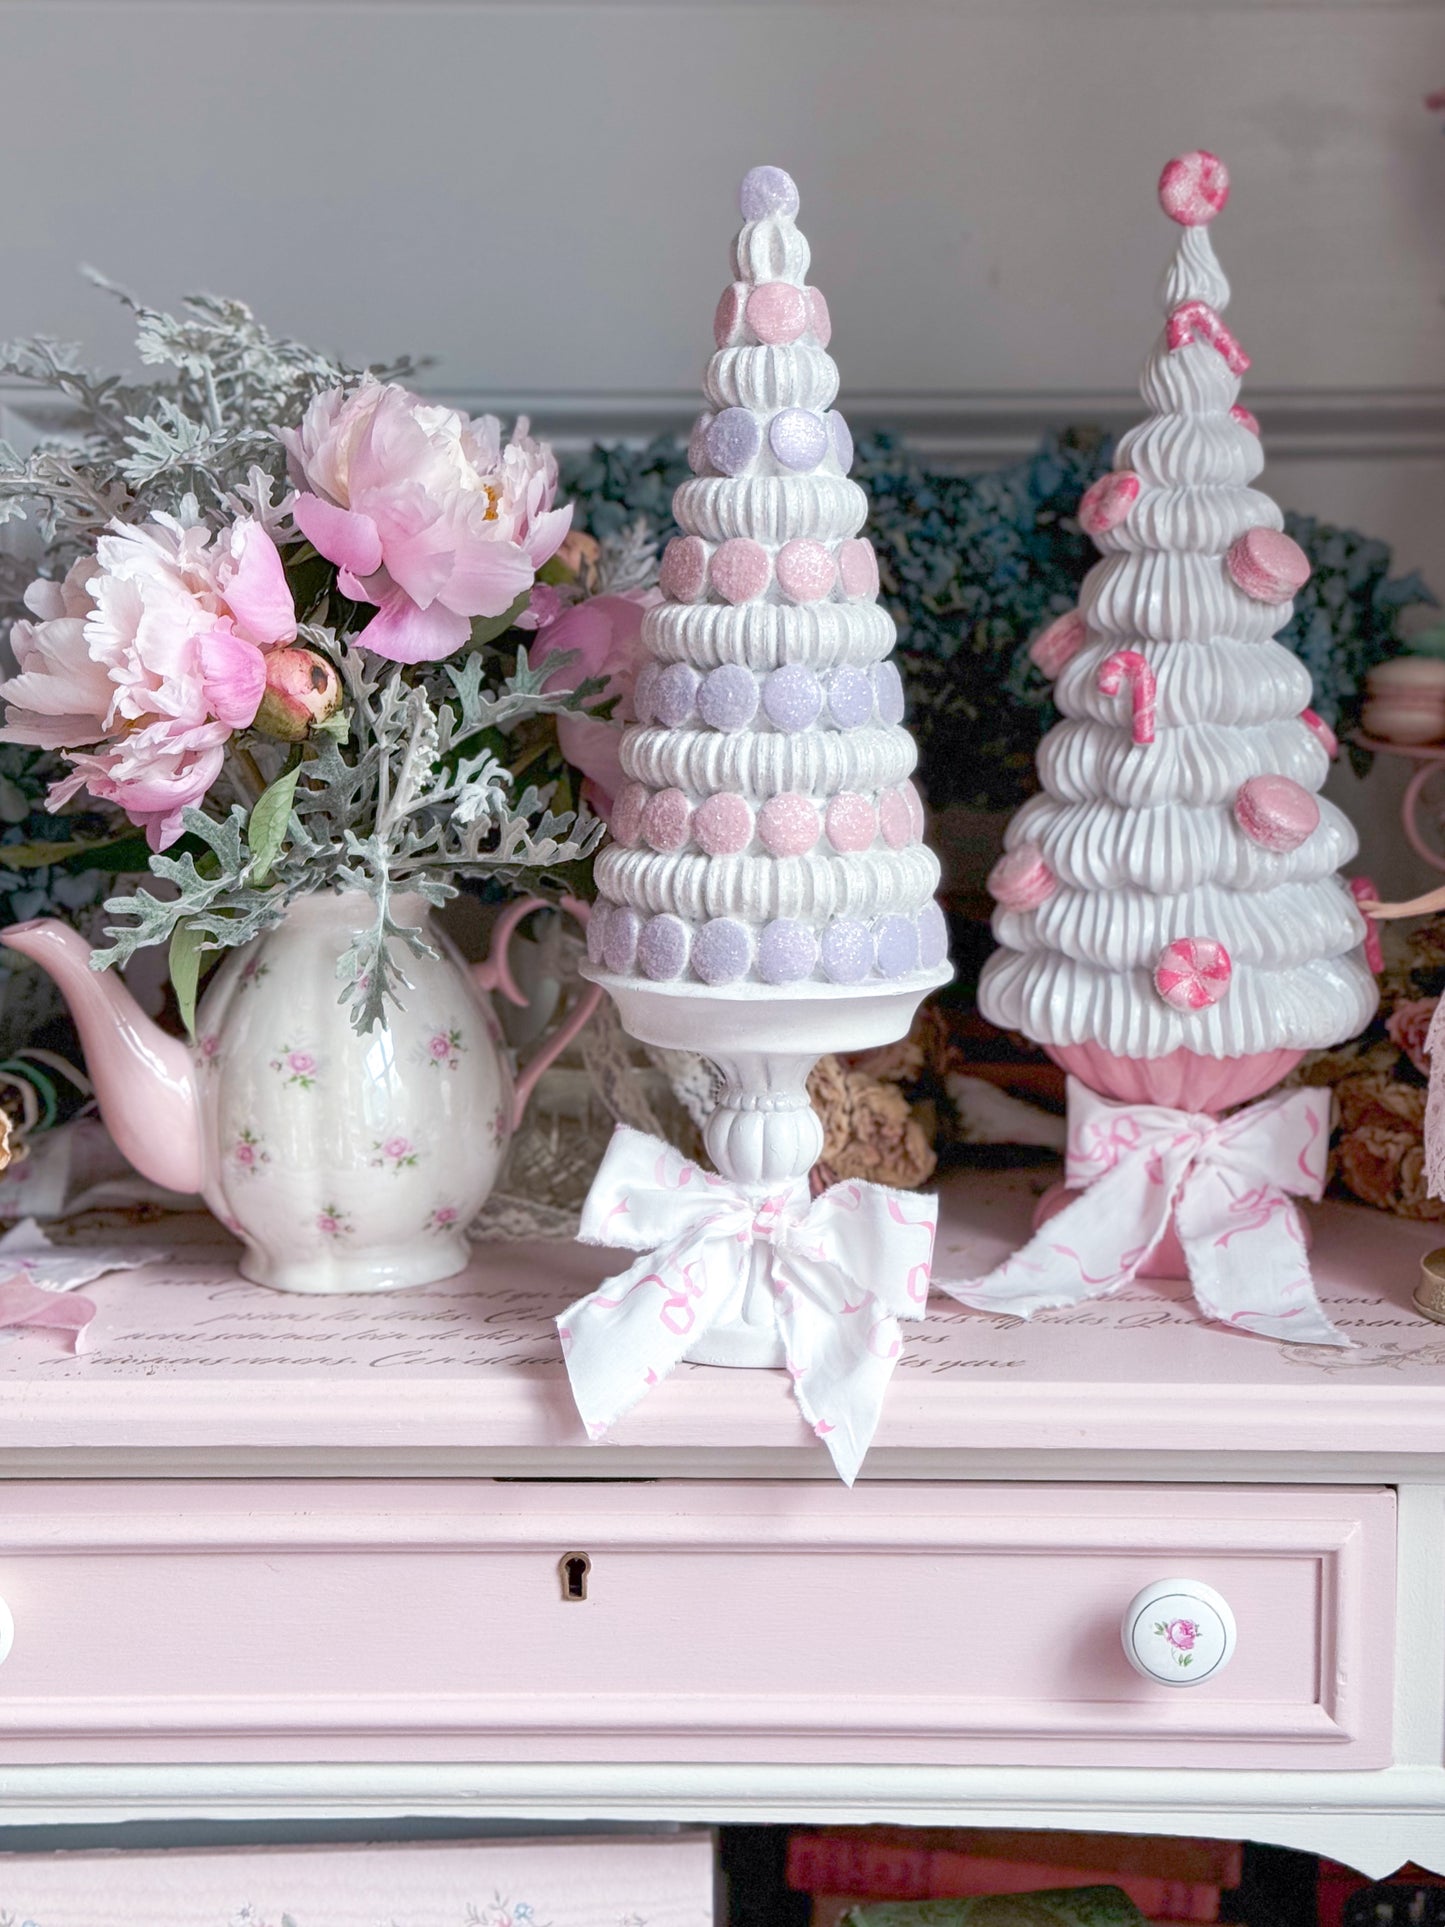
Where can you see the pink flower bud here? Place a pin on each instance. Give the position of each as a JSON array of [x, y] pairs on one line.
[[302, 689]]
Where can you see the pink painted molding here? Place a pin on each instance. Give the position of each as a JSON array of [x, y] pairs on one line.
[[292, 1621]]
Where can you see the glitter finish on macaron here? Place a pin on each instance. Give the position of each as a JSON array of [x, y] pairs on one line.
[[697, 444], [932, 937], [667, 820], [777, 313], [888, 692], [858, 568], [819, 319], [798, 438], [767, 191], [787, 951], [788, 825], [727, 323], [733, 440], [740, 570], [596, 924], [851, 822], [792, 697], [895, 819], [619, 939], [846, 951], [722, 952], [806, 570], [895, 945], [1276, 813], [850, 696], [674, 696], [627, 814], [662, 948], [683, 575], [728, 698], [644, 691], [1267, 565], [722, 825]]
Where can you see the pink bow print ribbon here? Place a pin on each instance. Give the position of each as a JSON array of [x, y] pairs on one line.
[[835, 1273], [1225, 1181]]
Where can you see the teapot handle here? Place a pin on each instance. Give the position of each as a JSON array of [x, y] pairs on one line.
[[494, 973]]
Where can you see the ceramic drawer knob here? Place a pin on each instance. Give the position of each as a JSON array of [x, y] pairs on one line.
[[7, 1631], [1179, 1632]]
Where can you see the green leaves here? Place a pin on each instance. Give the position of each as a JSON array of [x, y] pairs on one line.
[[187, 943], [486, 629], [266, 830]]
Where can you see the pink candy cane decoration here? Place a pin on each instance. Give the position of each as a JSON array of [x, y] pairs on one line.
[[1197, 321], [1128, 666], [1363, 890]]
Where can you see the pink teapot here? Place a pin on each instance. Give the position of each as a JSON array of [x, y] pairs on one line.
[[343, 1161]]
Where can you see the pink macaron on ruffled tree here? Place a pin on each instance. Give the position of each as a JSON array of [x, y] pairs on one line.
[[1172, 924]]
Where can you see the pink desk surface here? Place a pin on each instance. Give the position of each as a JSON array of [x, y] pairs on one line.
[[186, 1356]]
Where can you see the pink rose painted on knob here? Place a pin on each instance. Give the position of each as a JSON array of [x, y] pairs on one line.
[[1182, 1634], [426, 512]]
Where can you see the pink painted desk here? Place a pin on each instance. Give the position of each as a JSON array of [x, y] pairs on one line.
[[272, 1555]]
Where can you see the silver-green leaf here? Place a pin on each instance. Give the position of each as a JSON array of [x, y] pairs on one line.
[[266, 829]]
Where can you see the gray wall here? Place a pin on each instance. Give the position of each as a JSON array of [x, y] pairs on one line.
[[542, 194]]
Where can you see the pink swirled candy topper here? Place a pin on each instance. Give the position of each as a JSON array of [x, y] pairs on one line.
[[1193, 972], [1196, 321], [1128, 666]]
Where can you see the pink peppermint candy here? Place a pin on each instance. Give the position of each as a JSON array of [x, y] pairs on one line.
[[1194, 187], [1128, 666], [1197, 321], [1105, 505], [1192, 973], [1053, 648]]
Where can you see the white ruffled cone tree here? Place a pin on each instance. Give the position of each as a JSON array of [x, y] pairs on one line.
[[1172, 922]]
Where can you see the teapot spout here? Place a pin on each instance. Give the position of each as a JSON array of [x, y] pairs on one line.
[[143, 1078]]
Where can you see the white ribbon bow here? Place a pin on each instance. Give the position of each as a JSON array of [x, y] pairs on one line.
[[1225, 1183], [841, 1270]]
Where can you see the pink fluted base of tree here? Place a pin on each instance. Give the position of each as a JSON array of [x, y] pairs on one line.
[[1184, 1081]]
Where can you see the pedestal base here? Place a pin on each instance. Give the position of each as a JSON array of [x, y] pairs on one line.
[[764, 1130]]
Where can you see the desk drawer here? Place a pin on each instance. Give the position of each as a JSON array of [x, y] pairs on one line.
[[927, 1624]]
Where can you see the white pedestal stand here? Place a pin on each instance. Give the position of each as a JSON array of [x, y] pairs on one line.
[[764, 1129]]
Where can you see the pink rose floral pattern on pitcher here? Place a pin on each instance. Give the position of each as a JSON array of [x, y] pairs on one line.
[[249, 1153], [444, 1050], [299, 1067], [443, 1220], [395, 1154], [333, 1222]]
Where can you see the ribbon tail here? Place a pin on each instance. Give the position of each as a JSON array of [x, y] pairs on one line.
[[625, 1337], [842, 1344], [22, 1303], [1248, 1261], [1092, 1247]]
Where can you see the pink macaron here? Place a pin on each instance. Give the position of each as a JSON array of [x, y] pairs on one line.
[[1276, 813], [1267, 566]]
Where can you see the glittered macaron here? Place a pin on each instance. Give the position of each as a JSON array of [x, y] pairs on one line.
[[851, 822], [721, 952], [683, 575], [1276, 813], [667, 820], [722, 825], [674, 696], [662, 947], [787, 951], [777, 313], [841, 436], [819, 319], [850, 697], [728, 698], [596, 925], [788, 824], [846, 951], [619, 939], [1021, 879], [740, 570], [792, 697], [767, 191], [895, 946], [932, 937], [733, 440], [644, 692], [798, 439], [895, 818], [806, 570], [1267, 565], [727, 323], [1107, 503], [888, 691], [858, 569], [627, 814]]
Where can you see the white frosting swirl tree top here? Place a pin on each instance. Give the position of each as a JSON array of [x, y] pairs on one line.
[[768, 832], [1173, 893]]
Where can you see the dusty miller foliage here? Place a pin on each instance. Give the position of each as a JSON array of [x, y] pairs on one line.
[[403, 789], [416, 802]]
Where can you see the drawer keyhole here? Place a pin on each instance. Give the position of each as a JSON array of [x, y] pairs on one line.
[[574, 1568]]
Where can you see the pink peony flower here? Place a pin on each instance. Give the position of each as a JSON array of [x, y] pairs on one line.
[[302, 689], [1408, 1029], [425, 512], [145, 660], [606, 634]]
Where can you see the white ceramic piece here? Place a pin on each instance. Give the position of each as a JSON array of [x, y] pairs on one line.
[[1179, 1632], [1143, 837]]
